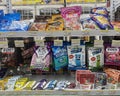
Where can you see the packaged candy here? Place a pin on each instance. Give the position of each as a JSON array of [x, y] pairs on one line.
[[60, 57], [3, 72], [51, 85], [56, 17], [71, 16], [100, 81], [40, 85], [29, 85], [116, 25], [95, 58], [112, 56], [41, 59], [102, 21], [76, 55], [99, 10], [88, 24], [1, 13], [2, 87]]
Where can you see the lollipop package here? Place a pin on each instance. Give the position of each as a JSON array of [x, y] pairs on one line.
[[60, 57], [71, 16], [76, 55], [95, 58]]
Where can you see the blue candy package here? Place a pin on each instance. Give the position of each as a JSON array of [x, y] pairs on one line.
[[102, 21], [1, 13], [76, 55], [4, 25], [99, 10], [60, 57]]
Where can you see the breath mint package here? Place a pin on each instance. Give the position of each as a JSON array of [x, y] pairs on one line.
[[76, 55], [60, 57], [95, 58]]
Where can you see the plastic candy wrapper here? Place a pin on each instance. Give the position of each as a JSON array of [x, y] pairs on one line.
[[29, 85], [95, 58], [102, 22], [51, 85], [116, 25], [100, 80], [1, 13], [112, 56], [76, 55], [99, 10], [71, 16], [40, 85], [60, 57], [19, 25], [88, 24], [41, 59]]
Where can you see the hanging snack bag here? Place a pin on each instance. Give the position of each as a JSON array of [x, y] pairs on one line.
[[60, 57], [112, 56], [71, 16], [102, 21], [99, 10], [41, 59], [88, 24], [95, 58], [76, 55]]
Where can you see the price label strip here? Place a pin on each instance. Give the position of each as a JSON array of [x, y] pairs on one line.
[[19, 43], [58, 42], [116, 43], [75, 42], [39, 41], [98, 43], [3, 43]]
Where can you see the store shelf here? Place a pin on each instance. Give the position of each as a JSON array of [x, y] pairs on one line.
[[61, 33]]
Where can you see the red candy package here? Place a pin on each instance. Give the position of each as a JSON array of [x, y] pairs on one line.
[[71, 17]]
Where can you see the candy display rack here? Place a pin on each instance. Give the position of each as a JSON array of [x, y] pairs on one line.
[[29, 11]]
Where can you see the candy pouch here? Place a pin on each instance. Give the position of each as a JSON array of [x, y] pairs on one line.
[[99, 10], [95, 58], [60, 57], [41, 59], [88, 24], [112, 56], [102, 22], [76, 55], [71, 17]]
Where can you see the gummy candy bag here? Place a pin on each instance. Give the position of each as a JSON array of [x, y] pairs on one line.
[[76, 55], [71, 16], [95, 58], [60, 57]]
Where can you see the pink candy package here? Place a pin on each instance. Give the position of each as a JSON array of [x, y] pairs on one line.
[[112, 55], [71, 17]]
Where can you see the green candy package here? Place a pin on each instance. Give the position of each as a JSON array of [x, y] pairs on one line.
[[60, 57], [95, 58]]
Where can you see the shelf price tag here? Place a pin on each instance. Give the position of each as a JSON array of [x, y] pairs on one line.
[[75, 41], [19, 43], [98, 43], [39, 41], [58, 42], [3, 42], [104, 31], [116, 43]]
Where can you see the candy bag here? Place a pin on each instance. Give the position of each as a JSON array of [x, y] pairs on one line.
[[76, 55], [99, 10], [60, 57], [71, 16], [112, 55], [102, 22], [95, 58]]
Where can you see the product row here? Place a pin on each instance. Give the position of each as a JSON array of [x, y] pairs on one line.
[[84, 80], [69, 18]]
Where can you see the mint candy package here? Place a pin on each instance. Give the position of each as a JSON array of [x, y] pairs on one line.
[[95, 58], [76, 55], [60, 57]]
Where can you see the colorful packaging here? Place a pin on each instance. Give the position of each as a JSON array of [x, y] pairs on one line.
[[100, 81], [76, 55], [41, 59], [112, 56], [89, 24], [29, 85], [102, 21], [116, 25], [95, 58], [71, 16], [99, 10], [60, 57], [51, 85]]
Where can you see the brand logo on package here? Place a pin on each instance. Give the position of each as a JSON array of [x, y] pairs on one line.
[[112, 50]]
